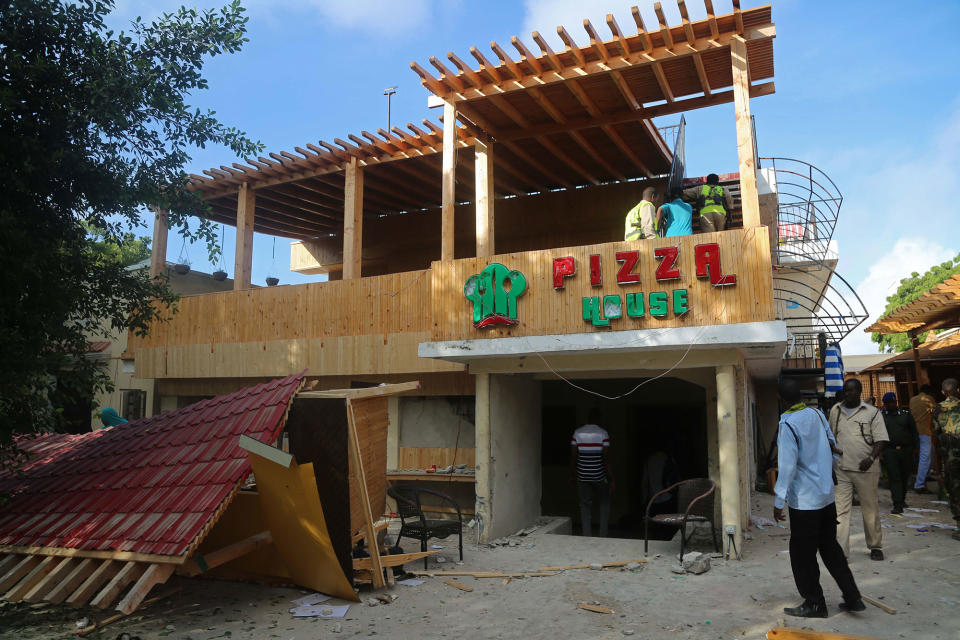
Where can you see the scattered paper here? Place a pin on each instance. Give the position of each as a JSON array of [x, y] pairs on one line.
[[919, 510], [918, 527], [940, 525], [410, 582], [939, 502], [910, 515], [321, 611], [311, 599], [436, 546]]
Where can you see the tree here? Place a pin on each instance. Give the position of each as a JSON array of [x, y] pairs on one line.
[[128, 251], [94, 128], [909, 290]]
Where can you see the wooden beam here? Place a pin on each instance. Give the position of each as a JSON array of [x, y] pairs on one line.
[[16, 573], [393, 560], [73, 579], [664, 27], [711, 19], [526, 55], [596, 43], [51, 580], [788, 633], [483, 184], [367, 392], [466, 70], [243, 258], [548, 54], [448, 182], [486, 67], [519, 151], [697, 58], [361, 479], [918, 374], [35, 575], [572, 47], [749, 199], [127, 574], [158, 250], [506, 60], [738, 16], [353, 221], [100, 575], [154, 575]]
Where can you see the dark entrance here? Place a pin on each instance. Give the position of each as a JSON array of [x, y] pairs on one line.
[[666, 417]]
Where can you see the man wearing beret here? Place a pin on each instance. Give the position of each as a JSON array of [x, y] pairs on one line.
[[898, 454]]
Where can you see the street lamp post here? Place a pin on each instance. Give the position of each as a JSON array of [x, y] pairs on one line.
[[389, 91]]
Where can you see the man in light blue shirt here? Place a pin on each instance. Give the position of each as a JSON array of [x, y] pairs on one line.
[[675, 217], [806, 448]]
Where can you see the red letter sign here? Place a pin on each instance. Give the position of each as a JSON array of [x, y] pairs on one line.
[[628, 260], [563, 268], [708, 264], [667, 270], [596, 277]]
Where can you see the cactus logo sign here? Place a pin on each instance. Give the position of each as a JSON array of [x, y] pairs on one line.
[[494, 292]]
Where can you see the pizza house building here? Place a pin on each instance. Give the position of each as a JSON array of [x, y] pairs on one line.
[[482, 255]]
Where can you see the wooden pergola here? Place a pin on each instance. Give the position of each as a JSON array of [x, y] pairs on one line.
[[547, 121]]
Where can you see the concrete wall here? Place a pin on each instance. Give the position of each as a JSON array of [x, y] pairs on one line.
[[514, 464], [768, 410], [436, 422]]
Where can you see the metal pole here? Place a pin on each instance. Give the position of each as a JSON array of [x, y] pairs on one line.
[[389, 91]]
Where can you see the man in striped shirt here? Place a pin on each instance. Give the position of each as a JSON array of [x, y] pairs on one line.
[[590, 469]]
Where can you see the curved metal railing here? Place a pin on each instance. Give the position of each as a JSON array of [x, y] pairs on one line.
[[808, 208]]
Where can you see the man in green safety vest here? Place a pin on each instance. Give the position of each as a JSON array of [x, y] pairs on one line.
[[640, 223], [713, 201]]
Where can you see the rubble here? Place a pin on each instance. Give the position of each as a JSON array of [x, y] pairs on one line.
[[696, 562]]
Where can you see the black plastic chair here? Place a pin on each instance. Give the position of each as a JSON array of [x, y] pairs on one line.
[[413, 521], [694, 504]]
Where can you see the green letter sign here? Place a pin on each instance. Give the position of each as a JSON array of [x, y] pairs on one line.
[[494, 292]]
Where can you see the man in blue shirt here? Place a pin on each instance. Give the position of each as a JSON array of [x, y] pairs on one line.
[[675, 217], [806, 446]]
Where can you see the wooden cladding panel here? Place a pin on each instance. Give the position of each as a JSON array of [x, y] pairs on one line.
[[392, 303], [545, 311], [371, 419], [424, 457]]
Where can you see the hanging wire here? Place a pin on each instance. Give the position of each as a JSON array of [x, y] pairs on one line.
[[272, 279], [221, 273]]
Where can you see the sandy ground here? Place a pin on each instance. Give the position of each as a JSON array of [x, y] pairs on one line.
[[920, 578]]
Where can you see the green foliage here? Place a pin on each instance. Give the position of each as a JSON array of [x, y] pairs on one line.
[[94, 128], [909, 290]]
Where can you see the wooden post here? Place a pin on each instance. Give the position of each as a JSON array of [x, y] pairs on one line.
[[158, 251], [243, 262], [729, 450], [352, 220], [483, 182], [371, 534], [917, 369], [448, 180], [749, 199]]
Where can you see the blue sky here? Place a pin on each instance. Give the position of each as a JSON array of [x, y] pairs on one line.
[[866, 91]]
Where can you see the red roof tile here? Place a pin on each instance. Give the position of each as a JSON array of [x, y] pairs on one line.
[[148, 486]]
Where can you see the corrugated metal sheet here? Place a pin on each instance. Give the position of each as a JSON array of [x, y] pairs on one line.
[[148, 486]]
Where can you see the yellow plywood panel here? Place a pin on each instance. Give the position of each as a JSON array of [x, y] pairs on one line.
[[292, 509], [544, 310]]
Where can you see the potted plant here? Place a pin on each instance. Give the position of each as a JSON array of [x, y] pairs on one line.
[[182, 268], [219, 275], [272, 281]]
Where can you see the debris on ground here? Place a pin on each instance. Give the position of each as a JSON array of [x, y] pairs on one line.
[[458, 585], [696, 563], [596, 608]]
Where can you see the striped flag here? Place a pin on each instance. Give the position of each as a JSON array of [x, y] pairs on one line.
[[833, 370]]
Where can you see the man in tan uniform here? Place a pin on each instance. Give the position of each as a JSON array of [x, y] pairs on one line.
[[861, 434]]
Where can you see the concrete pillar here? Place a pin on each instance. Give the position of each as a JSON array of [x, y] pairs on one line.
[[729, 451], [484, 479]]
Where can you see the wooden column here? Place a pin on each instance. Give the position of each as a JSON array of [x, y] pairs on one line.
[[158, 250], [918, 377], [243, 261], [729, 452], [352, 220], [745, 144], [448, 180], [484, 196]]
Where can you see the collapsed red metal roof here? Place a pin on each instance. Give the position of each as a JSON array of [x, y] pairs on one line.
[[152, 486]]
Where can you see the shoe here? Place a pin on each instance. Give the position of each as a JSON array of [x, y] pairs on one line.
[[896, 510], [851, 606], [876, 554], [808, 610], [955, 535], [922, 490]]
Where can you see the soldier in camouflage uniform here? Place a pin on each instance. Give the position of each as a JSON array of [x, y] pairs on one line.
[[946, 425]]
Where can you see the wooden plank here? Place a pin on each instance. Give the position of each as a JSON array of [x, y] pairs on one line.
[[361, 481], [749, 198], [484, 185], [379, 526], [119, 616], [203, 563], [243, 258], [458, 585], [448, 182], [130, 572], [879, 604], [104, 572], [393, 560], [431, 477], [596, 608], [617, 563], [789, 633], [63, 568], [9, 561], [36, 574], [80, 572], [16, 573], [368, 392], [487, 574], [423, 457]]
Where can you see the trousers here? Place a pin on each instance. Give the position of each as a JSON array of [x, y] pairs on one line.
[[923, 466], [812, 532], [591, 492], [898, 461], [712, 221], [949, 444], [865, 483]]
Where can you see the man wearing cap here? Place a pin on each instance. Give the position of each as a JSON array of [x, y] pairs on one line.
[[861, 435], [713, 201], [946, 425], [898, 454]]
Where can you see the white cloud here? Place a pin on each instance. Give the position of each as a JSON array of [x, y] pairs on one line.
[[545, 15], [907, 255], [379, 17]]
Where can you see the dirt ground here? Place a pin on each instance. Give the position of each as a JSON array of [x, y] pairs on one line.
[[920, 578]]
